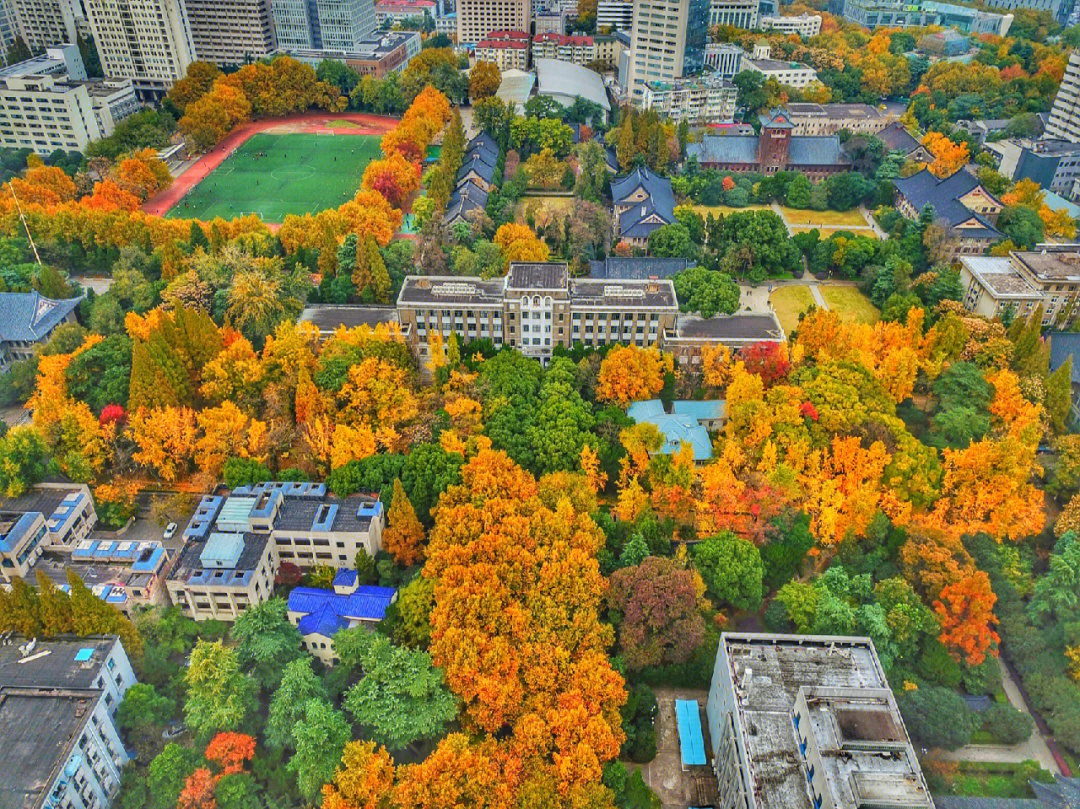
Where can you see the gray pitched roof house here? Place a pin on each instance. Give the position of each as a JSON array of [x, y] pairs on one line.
[[26, 319]]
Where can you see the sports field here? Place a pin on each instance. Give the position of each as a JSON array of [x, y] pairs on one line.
[[274, 175]]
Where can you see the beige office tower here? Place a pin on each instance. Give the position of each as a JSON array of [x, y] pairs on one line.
[[230, 32], [147, 41], [45, 23], [478, 18], [1064, 122], [667, 42]]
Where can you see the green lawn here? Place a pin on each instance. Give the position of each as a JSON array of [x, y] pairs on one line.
[[552, 205], [849, 303], [789, 303], [275, 175], [797, 217]]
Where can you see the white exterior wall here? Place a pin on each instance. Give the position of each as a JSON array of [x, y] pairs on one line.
[[147, 41]]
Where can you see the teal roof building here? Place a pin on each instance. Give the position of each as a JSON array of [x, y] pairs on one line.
[[688, 423]]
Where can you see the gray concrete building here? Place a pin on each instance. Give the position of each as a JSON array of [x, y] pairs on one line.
[[58, 735], [231, 32], [808, 722]]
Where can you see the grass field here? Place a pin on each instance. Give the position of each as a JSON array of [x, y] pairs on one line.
[[789, 303], [850, 304], [826, 232], [801, 218], [552, 205], [275, 175]]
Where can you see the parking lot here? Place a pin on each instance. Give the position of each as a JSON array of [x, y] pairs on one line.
[[675, 786]]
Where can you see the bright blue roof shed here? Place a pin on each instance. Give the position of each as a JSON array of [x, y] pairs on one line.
[[691, 742]]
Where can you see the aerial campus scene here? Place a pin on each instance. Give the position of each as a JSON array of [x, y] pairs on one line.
[[539, 404]]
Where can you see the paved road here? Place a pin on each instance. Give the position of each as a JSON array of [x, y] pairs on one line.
[[815, 290], [1034, 748], [99, 285]]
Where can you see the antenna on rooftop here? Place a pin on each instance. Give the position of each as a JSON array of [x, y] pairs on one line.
[[22, 218]]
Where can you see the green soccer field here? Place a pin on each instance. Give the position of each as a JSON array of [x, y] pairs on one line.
[[276, 175]]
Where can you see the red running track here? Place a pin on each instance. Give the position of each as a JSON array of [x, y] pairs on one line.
[[305, 123]]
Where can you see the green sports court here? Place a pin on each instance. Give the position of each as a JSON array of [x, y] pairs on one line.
[[276, 175]]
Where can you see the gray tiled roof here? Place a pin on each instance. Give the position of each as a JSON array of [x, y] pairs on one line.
[[725, 149], [808, 150], [1065, 344], [467, 197], [943, 194], [658, 188], [30, 316], [637, 268], [896, 138], [476, 161]]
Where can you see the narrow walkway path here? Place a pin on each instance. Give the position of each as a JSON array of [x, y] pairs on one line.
[[1034, 748], [815, 290]]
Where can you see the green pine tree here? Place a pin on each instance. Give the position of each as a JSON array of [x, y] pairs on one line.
[[1059, 396], [379, 275], [57, 617]]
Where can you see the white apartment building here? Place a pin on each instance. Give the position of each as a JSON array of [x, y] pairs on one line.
[[739, 13], [617, 15], [792, 74], [44, 23], [724, 58], [58, 734], [805, 25], [1064, 122], [706, 100], [231, 32], [47, 103], [235, 545], [549, 22], [332, 25], [147, 41], [667, 42], [507, 50], [397, 11], [581, 50], [1047, 276], [48, 516], [476, 19]]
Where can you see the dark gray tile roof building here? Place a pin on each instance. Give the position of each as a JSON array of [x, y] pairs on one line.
[[637, 268], [30, 316], [467, 197], [1063, 345], [898, 139], [328, 317], [479, 163], [944, 194], [658, 188]]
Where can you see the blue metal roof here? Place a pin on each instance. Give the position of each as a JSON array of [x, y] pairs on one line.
[[345, 578], [691, 742], [678, 428], [11, 539], [330, 611], [643, 411], [713, 409]]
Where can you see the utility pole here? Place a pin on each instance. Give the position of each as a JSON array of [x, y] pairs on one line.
[[26, 227]]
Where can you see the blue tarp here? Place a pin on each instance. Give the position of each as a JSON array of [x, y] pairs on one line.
[[691, 742]]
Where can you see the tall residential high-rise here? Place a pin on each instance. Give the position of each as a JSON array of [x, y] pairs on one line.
[[1064, 122], [322, 24], [667, 41], [44, 23], [230, 32], [739, 13], [478, 18], [147, 41]]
